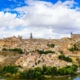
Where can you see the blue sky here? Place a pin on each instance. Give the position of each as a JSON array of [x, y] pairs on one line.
[[17, 3], [48, 18], [11, 4]]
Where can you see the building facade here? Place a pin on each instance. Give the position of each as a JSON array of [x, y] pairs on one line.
[[75, 35]]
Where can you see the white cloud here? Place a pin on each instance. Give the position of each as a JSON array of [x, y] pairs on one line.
[[10, 20], [43, 19]]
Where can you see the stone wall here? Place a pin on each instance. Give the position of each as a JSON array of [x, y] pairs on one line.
[[75, 36], [10, 41]]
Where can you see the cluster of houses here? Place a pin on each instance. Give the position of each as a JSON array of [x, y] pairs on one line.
[[30, 58]]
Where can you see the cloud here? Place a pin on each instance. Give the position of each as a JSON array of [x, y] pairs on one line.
[[10, 20], [43, 19]]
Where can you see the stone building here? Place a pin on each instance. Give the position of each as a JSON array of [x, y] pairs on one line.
[[73, 36], [10, 41]]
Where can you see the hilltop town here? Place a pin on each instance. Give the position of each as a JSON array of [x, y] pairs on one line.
[[39, 52]]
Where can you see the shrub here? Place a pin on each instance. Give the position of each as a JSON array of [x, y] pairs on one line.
[[61, 52], [10, 69], [63, 57], [45, 52], [15, 49], [74, 48], [7, 75], [4, 49], [51, 45]]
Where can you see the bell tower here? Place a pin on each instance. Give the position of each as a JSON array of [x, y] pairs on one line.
[[31, 37], [71, 35]]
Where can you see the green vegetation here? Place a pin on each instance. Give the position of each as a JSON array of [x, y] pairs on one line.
[[7, 70], [4, 49], [37, 73], [39, 61], [10, 69], [32, 74], [68, 70], [45, 52], [47, 70], [63, 57], [78, 60], [74, 48], [14, 50], [51, 45], [61, 52]]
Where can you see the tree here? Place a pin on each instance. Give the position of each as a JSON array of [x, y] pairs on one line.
[[74, 67], [51, 45], [70, 71], [10, 69], [15, 49], [38, 69], [78, 60], [53, 71], [62, 71], [4, 49], [63, 57]]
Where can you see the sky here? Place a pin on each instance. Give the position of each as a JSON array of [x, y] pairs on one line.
[[43, 18]]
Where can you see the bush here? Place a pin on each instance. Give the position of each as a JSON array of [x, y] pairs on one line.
[[45, 52], [68, 70], [8, 75], [74, 48], [4, 49], [63, 57], [35, 73], [15, 49], [61, 52], [10, 69], [39, 73], [17, 75], [51, 45]]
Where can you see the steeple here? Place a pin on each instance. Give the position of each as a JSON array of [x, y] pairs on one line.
[[71, 34], [31, 37]]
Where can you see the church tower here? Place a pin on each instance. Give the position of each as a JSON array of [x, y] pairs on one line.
[[31, 37], [71, 35]]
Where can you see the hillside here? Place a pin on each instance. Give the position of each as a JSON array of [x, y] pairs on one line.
[[39, 52]]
